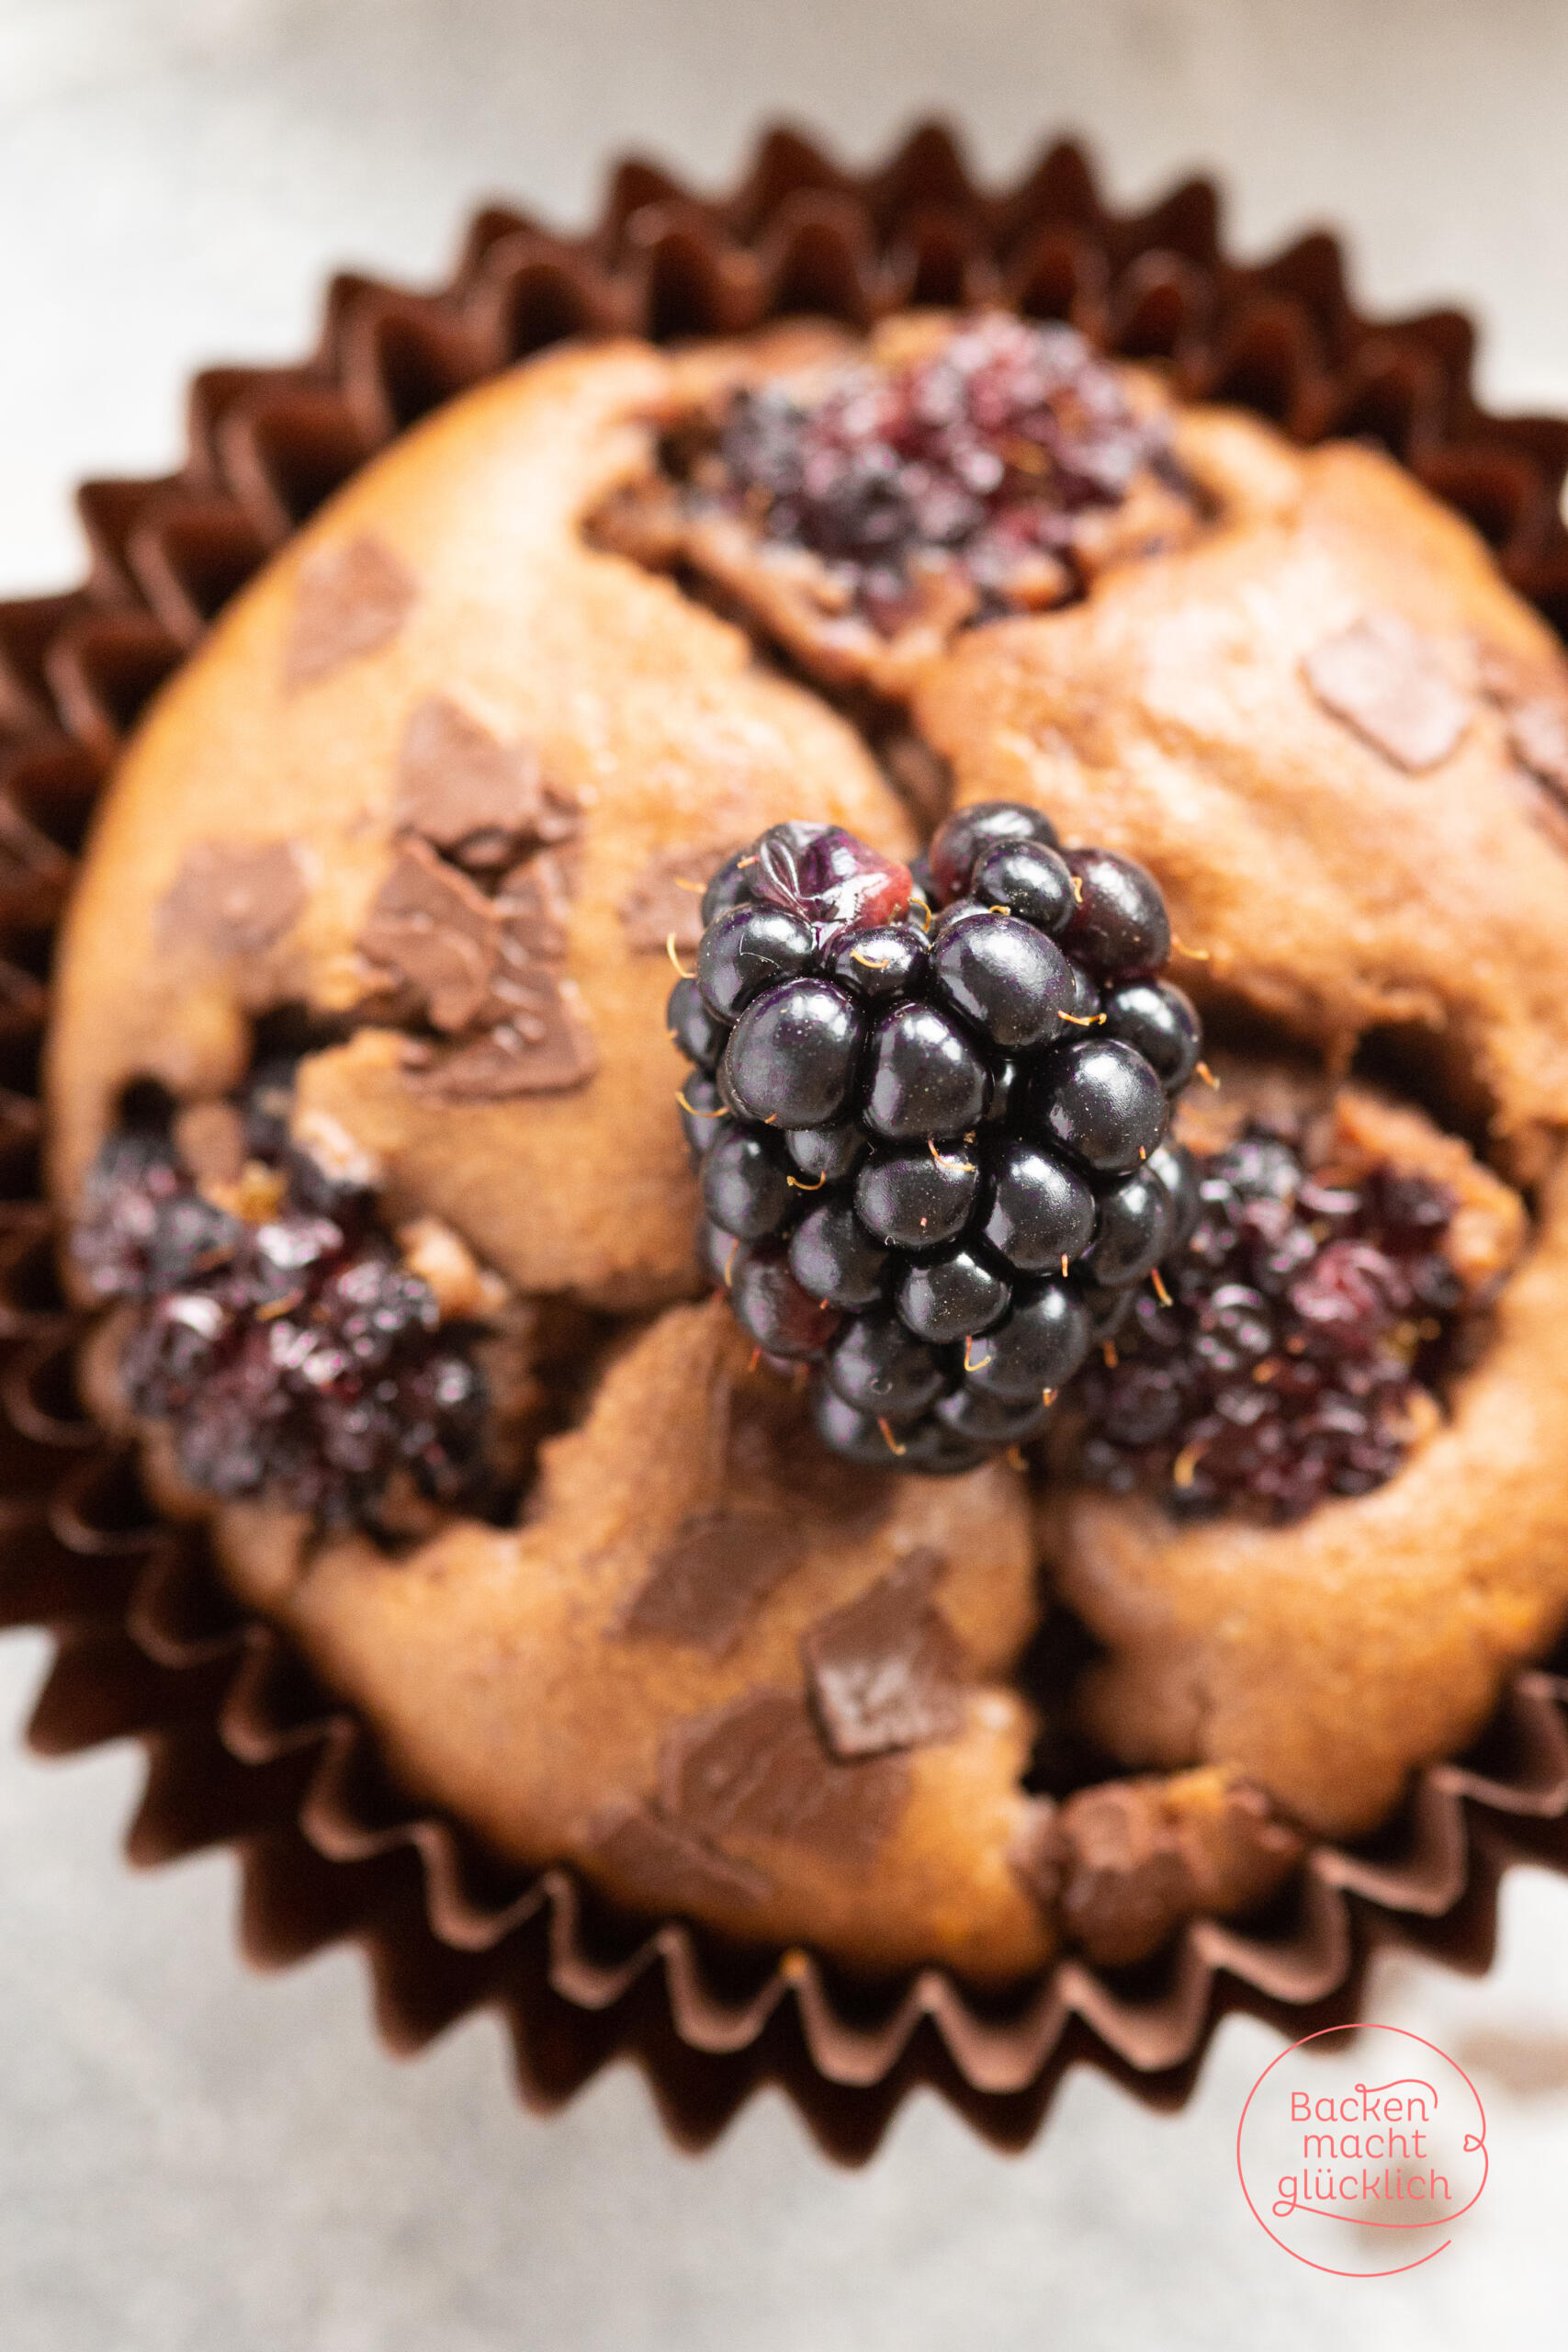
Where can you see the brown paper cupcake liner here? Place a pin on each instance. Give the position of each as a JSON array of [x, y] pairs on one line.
[[243, 1747]]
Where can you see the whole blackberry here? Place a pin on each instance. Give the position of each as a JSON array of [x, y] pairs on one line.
[[933, 1168], [1309, 1311], [291, 1348]]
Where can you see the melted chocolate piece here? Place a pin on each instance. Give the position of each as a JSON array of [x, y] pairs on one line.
[[758, 1768], [531, 906], [717, 1569], [348, 601], [1392, 687], [545, 1048], [885, 1670], [470, 794], [1121, 1870], [232, 897], [660, 1866], [666, 897], [436, 932]]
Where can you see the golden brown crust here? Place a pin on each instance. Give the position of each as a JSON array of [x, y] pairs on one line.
[[511, 1679], [1329, 1659], [641, 709], [1171, 715]]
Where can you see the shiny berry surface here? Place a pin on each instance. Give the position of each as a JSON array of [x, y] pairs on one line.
[[831, 880], [1308, 1312], [792, 1057], [935, 1175], [1120, 923], [1161, 1022]]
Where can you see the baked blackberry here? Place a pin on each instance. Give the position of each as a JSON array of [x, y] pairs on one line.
[[930, 1119], [987, 451], [1311, 1315], [275, 1326]]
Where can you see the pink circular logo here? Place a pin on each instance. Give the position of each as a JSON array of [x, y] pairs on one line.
[[1359, 2148]]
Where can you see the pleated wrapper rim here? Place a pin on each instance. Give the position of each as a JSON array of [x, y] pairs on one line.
[[243, 1747]]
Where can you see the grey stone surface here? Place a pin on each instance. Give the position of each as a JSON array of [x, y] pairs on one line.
[[193, 2159]]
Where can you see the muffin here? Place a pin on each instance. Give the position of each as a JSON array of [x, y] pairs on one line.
[[367, 1115]]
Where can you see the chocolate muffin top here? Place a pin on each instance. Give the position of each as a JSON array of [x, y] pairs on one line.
[[367, 1121]]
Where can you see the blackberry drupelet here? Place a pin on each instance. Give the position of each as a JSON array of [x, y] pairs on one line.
[[290, 1349], [930, 1171], [1309, 1315], [987, 451]]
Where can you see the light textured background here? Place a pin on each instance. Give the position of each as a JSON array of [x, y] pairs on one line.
[[192, 2160]]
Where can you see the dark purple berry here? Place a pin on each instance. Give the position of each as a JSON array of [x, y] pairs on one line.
[[948, 1296], [719, 1253], [1178, 1172], [1108, 1306], [793, 1057], [935, 1451], [745, 1187], [1028, 879], [1161, 1022], [297, 1358], [966, 837], [1038, 1210], [1009, 1080], [1120, 923], [831, 880], [884, 964], [1038, 1345], [1100, 1102], [878, 1367], [858, 1436], [915, 1199], [924, 1077], [834, 1259], [1285, 1367], [749, 949], [769, 1304], [731, 887], [702, 1115], [694, 1028], [1017, 1183], [1006, 979], [991, 1422], [829, 1153], [1134, 1231], [979, 454]]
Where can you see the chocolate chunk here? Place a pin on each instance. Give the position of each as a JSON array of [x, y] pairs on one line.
[[758, 1768], [232, 897], [210, 1139], [717, 1567], [660, 1866], [436, 932], [1123, 1863], [1121, 1879], [531, 906], [1538, 738], [544, 1048], [347, 601], [472, 795], [885, 1670], [667, 896], [1393, 687]]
